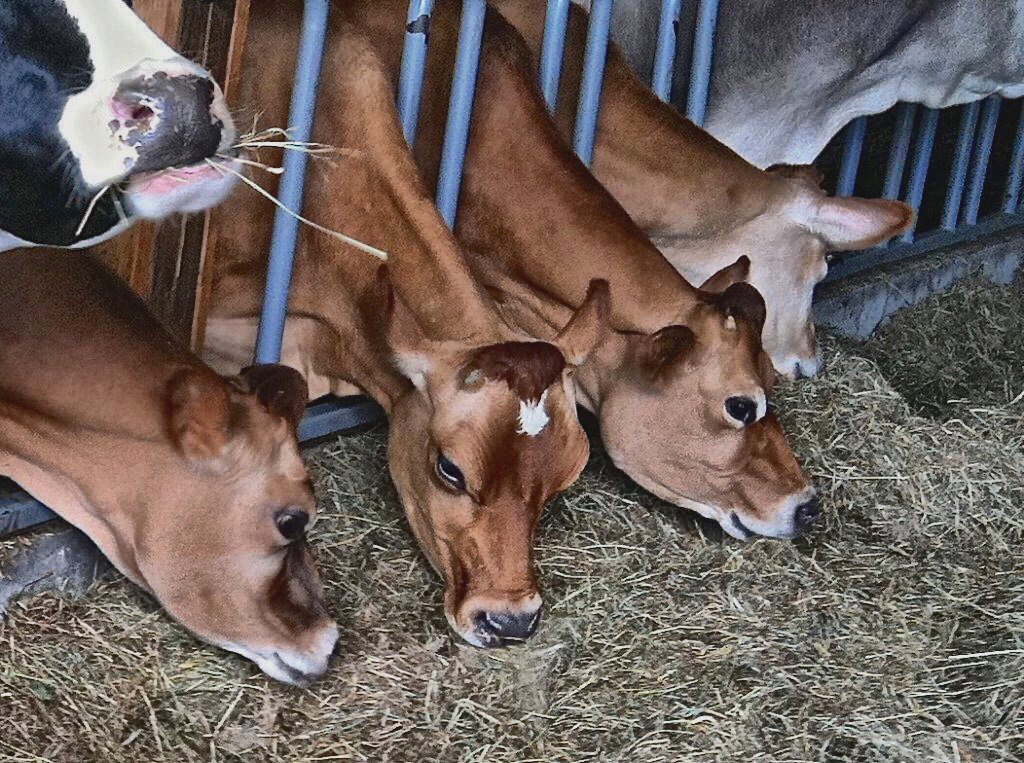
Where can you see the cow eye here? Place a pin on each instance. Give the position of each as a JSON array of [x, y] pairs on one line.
[[291, 523], [450, 474]]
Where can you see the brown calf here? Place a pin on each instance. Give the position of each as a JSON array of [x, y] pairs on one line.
[[483, 427], [680, 385], [704, 206], [191, 484]]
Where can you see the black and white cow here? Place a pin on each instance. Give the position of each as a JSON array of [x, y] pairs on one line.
[[101, 122], [789, 75]]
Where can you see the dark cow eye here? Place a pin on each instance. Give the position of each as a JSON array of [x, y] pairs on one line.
[[291, 523], [450, 474]]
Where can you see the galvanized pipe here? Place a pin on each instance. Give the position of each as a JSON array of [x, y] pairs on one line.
[[898, 150], [414, 65], [552, 50], [665, 53], [290, 193], [1011, 195], [593, 78], [460, 108], [700, 67], [853, 145], [958, 170], [919, 162], [979, 158]]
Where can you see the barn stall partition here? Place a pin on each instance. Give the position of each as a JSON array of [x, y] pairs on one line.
[[170, 265]]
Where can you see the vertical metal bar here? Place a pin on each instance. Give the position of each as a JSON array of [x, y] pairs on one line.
[[919, 162], [898, 150], [853, 144], [700, 68], [979, 158], [414, 64], [958, 170], [460, 108], [290, 193], [665, 53], [1011, 196], [552, 50], [593, 78]]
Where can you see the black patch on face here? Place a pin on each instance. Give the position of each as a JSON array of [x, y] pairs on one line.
[[44, 60]]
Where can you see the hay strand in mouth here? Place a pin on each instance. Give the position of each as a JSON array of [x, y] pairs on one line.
[[353, 242], [89, 210]]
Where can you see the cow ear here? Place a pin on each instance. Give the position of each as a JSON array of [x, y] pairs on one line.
[[848, 224], [588, 326], [280, 389], [198, 414], [727, 276], [741, 300], [405, 337], [666, 347]]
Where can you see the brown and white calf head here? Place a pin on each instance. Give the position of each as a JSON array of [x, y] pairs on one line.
[[788, 245], [108, 124], [683, 412], [486, 438], [223, 547]]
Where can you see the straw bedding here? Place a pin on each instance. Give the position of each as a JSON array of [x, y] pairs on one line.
[[895, 632]]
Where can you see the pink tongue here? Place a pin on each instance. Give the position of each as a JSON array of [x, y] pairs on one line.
[[170, 180]]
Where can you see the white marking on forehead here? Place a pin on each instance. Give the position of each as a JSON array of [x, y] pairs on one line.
[[532, 416]]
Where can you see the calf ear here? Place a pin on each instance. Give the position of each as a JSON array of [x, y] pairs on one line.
[[727, 276], [806, 173], [281, 389], [198, 414], [851, 223], [665, 347], [405, 337], [588, 326], [741, 300]]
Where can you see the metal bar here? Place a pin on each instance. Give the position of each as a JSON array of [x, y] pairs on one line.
[[665, 53], [979, 158], [1011, 195], [460, 108], [898, 150], [920, 158], [858, 262], [700, 68], [853, 144], [19, 511], [414, 64], [593, 78], [290, 193], [552, 50], [958, 169]]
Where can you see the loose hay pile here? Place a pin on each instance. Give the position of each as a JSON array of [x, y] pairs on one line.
[[895, 632]]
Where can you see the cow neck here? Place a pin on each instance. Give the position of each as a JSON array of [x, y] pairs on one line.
[[529, 203], [395, 212]]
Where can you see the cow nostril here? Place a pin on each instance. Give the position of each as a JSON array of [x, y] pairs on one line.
[[142, 113], [743, 409], [806, 513], [508, 626]]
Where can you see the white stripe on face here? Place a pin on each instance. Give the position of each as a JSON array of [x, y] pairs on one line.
[[119, 42]]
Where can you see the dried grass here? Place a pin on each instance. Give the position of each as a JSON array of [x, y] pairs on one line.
[[894, 633]]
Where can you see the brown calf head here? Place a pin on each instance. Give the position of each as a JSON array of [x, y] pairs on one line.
[[224, 551], [683, 411], [788, 246], [487, 436]]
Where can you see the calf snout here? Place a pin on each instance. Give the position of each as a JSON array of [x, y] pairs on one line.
[[505, 627], [168, 120], [805, 515]]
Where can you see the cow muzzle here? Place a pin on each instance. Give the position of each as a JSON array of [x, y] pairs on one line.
[[493, 621]]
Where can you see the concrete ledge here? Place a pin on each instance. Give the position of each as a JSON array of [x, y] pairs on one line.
[[856, 305]]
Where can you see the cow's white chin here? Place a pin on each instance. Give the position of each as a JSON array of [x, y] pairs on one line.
[[156, 195]]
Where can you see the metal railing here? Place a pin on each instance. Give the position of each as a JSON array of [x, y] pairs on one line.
[[912, 141]]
